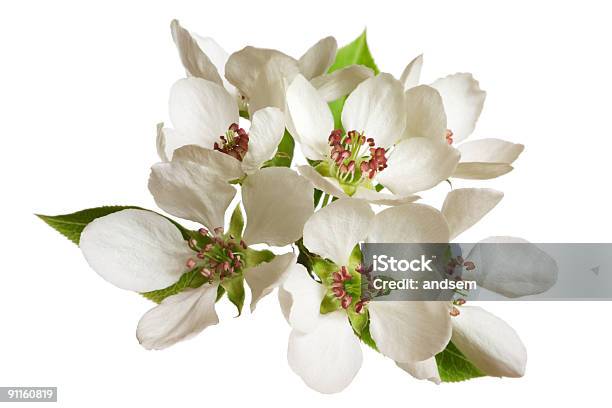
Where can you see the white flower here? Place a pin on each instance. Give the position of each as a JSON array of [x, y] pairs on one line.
[[257, 76], [511, 267], [204, 115], [447, 111], [142, 251], [372, 150], [323, 350]]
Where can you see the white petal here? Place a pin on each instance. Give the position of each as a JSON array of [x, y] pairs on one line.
[[376, 107], [410, 331], [326, 184], [277, 201], [489, 343], [187, 190], [490, 151], [135, 250], [425, 116], [300, 298], [216, 163], [265, 277], [329, 357], [423, 370], [341, 82], [418, 164], [511, 266], [201, 111], [481, 171], [196, 63], [178, 317], [464, 207], [160, 142], [409, 223], [463, 101], [412, 73], [379, 198], [218, 56], [333, 231], [260, 75], [318, 58], [310, 117], [266, 132]]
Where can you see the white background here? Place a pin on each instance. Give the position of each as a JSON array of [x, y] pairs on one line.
[[82, 87]]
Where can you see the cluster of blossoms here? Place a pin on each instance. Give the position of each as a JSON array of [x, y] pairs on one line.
[[397, 138]]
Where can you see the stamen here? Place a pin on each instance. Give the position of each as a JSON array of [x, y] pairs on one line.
[[449, 136], [354, 158], [235, 142]]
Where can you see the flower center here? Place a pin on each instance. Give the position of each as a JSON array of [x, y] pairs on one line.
[[353, 158], [219, 258], [345, 289], [235, 142]]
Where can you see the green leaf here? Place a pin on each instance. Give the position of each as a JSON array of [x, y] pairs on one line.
[[453, 366], [366, 337], [254, 257], [284, 153], [359, 321], [191, 279], [234, 288], [329, 304], [71, 225], [236, 223], [323, 269], [356, 52]]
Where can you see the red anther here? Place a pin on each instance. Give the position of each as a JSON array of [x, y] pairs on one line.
[[372, 174], [193, 242], [469, 265], [339, 292], [346, 301], [348, 140], [455, 312], [345, 154], [335, 156], [338, 285], [230, 254], [190, 263], [337, 277], [203, 231], [351, 166], [362, 140], [200, 255], [226, 266], [460, 302], [206, 272], [237, 263], [218, 230], [363, 167], [233, 127], [460, 259], [343, 169], [344, 273], [208, 247], [243, 244], [360, 305], [449, 136]]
